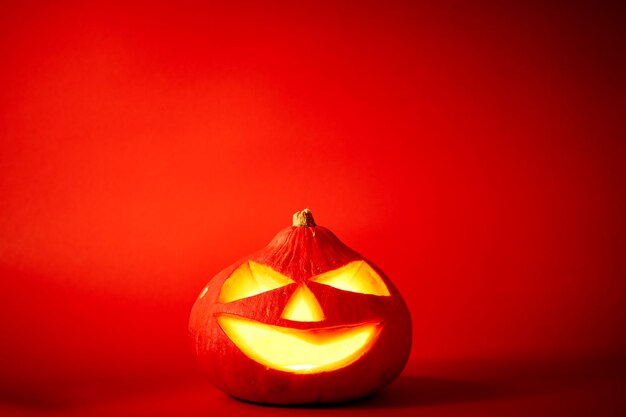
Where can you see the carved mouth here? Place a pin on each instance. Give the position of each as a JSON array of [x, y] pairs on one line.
[[299, 351]]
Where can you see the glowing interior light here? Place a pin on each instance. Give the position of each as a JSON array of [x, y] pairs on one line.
[[299, 351], [303, 367], [303, 306], [251, 279], [357, 277]]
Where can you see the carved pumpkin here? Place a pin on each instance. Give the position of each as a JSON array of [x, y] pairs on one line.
[[304, 320]]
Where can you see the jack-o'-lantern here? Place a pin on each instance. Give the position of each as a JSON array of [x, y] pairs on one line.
[[304, 320]]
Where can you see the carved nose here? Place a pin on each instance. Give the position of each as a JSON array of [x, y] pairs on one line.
[[303, 306]]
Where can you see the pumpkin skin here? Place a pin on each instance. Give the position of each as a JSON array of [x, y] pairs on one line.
[[301, 253]]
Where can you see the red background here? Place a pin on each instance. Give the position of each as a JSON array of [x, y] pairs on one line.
[[473, 151]]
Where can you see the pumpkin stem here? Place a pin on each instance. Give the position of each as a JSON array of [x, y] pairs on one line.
[[303, 218]]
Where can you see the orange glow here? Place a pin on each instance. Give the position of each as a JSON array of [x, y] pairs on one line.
[[299, 351], [357, 277], [251, 279], [303, 306]]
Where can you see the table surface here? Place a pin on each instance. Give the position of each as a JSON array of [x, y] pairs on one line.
[[460, 387]]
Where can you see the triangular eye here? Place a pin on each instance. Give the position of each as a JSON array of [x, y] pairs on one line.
[[357, 277], [251, 279]]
